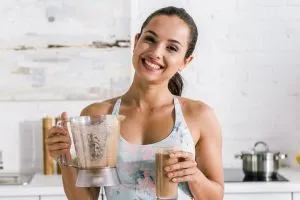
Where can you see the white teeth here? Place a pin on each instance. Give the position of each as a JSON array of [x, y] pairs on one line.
[[153, 66]]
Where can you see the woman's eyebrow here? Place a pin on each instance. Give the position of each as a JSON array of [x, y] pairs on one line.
[[170, 40]]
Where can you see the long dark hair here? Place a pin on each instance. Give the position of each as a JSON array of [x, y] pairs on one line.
[[175, 84]]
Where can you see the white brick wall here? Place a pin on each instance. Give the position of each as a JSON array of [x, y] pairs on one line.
[[246, 67], [31, 70]]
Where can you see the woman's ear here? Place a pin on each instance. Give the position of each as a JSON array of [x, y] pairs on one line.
[[186, 62]]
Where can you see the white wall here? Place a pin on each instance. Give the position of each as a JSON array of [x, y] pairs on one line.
[[37, 80], [21, 131], [246, 67], [57, 50]]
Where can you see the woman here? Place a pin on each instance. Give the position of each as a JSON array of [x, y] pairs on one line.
[[157, 115]]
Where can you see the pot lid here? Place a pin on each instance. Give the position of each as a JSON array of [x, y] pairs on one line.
[[264, 149]]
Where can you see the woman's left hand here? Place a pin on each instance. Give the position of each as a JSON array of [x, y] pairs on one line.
[[184, 170]]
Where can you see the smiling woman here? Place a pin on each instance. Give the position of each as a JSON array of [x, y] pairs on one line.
[[187, 35], [157, 116], [160, 49]]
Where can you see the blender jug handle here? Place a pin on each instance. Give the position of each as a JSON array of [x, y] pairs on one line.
[[62, 159]]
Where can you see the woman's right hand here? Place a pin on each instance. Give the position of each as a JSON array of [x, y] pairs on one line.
[[58, 141]]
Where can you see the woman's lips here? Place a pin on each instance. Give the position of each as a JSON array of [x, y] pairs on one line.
[[151, 65]]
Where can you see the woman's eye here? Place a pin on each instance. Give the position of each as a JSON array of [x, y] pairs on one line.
[[171, 48], [150, 39]]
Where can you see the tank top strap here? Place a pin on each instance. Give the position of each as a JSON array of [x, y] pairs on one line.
[[181, 129], [116, 107], [178, 112]]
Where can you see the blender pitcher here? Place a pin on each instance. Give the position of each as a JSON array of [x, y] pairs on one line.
[[96, 142]]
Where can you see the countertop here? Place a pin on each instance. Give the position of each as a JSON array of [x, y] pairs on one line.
[[293, 185], [41, 185]]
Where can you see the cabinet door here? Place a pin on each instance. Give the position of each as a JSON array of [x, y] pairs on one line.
[[61, 197], [19, 198], [296, 196], [259, 196]]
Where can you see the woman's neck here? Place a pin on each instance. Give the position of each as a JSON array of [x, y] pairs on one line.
[[147, 96]]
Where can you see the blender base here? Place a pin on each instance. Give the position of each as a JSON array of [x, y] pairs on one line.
[[97, 177]]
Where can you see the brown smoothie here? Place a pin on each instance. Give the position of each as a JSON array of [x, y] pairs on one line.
[[96, 144], [165, 188]]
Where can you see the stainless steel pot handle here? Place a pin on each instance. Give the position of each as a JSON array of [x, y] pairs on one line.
[[263, 143], [279, 156], [238, 156]]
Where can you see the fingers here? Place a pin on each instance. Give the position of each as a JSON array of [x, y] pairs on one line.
[[184, 169], [181, 165], [183, 155], [171, 161], [58, 139], [59, 146], [186, 173], [64, 120], [57, 130], [187, 178], [64, 116]]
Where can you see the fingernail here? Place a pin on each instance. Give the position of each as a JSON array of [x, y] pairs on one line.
[[167, 168], [170, 175]]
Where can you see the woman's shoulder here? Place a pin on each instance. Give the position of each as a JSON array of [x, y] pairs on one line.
[[200, 116], [195, 108], [100, 108]]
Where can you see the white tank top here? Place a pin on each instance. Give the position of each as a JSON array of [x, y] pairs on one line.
[[136, 163]]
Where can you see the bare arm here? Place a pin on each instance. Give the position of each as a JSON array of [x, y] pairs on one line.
[[209, 180], [204, 173], [60, 144]]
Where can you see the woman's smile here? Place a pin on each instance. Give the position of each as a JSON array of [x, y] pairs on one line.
[[151, 65]]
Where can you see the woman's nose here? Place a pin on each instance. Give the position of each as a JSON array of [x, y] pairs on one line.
[[158, 51]]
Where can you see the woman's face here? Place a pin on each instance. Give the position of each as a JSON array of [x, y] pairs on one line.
[[160, 49]]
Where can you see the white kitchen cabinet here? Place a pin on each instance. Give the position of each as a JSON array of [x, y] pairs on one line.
[[20, 198], [259, 196], [59, 197], [296, 196]]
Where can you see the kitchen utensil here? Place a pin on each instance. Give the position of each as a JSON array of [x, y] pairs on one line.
[[260, 162], [48, 163], [96, 142]]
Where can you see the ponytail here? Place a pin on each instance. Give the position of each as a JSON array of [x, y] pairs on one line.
[[175, 84]]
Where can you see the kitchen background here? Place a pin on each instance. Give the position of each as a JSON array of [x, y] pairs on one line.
[[61, 55]]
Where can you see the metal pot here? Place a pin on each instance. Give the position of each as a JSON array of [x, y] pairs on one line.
[[260, 162]]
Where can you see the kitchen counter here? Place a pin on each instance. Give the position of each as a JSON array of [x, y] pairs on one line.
[[52, 185], [40, 185], [293, 185]]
